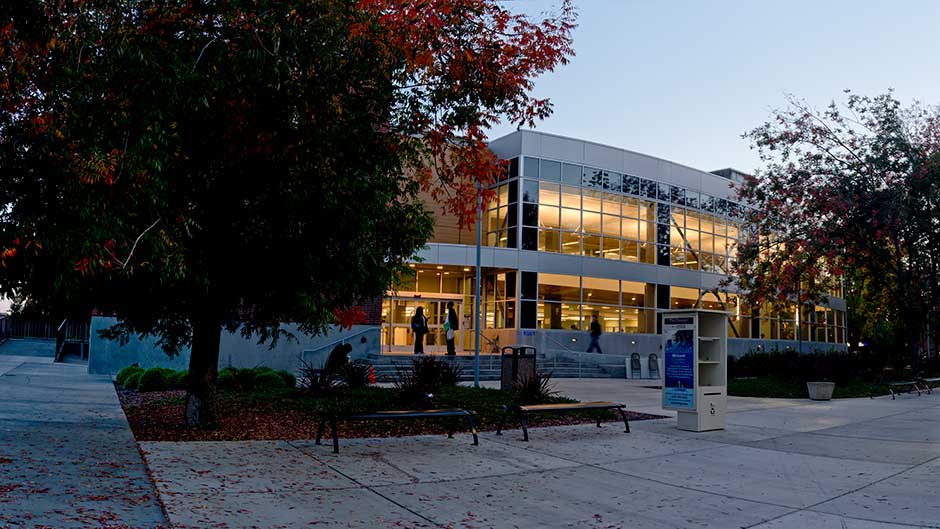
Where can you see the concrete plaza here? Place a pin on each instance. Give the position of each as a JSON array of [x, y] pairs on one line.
[[857, 464], [68, 460], [67, 455]]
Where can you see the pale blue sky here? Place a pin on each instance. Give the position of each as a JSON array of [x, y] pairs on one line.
[[684, 79]]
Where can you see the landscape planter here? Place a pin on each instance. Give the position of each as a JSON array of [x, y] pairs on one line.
[[820, 390]]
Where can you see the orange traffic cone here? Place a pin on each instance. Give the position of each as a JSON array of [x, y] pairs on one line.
[[371, 374]]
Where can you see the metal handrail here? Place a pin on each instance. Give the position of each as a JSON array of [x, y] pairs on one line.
[[342, 340]]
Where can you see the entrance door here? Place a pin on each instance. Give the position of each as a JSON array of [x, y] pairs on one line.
[[397, 333]]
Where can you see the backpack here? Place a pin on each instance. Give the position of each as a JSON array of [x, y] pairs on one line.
[[416, 324]]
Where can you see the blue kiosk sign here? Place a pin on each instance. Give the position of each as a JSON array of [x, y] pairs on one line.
[[679, 362]]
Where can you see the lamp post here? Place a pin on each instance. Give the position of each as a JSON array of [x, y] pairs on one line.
[[476, 299]]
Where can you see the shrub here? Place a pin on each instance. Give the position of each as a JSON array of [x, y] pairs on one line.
[[225, 380], [356, 374], [179, 379], [133, 379], [328, 378], [791, 366], [126, 372], [536, 389], [155, 379], [290, 381], [268, 380], [418, 382]]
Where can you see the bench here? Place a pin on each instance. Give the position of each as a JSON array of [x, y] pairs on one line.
[[901, 386], [398, 414], [524, 411], [928, 383]]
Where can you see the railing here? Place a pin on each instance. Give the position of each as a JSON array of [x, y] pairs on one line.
[[73, 330], [4, 328], [566, 348], [344, 339]]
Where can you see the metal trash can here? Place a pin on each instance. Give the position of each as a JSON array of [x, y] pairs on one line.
[[518, 363]]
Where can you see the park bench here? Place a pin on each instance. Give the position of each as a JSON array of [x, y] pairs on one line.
[[928, 383], [397, 414], [525, 411], [897, 387]]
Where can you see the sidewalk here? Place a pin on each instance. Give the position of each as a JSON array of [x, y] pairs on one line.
[[67, 456], [857, 464]]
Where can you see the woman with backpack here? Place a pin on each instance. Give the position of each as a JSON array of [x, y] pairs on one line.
[[419, 326]]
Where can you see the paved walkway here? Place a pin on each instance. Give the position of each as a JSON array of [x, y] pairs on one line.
[[67, 456], [857, 464]]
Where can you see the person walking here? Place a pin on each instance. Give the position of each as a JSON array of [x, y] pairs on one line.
[[451, 326], [595, 335], [419, 326]]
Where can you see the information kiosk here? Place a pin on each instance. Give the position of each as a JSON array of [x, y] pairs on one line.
[[695, 357]]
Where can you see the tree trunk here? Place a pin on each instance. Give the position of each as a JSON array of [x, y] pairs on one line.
[[203, 366]]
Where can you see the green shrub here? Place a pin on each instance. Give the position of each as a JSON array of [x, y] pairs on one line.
[[356, 374], [791, 366], [133, 379], [179, 379], [536, 389], [155, 379], [268, 380], [225, 380], [418, 382], [290, 381], [126, 372]]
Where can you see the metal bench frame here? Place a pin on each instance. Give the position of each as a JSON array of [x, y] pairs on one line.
[[911, 385], [926, 383], [523, 411], [395, 414]]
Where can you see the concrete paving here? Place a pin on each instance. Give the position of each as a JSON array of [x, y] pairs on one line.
[[67, 455], [858, 464]]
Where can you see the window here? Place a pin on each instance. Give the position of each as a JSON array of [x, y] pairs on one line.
[[530, 191], [559, 287], [571, 174], [550, 171], [530, 167]]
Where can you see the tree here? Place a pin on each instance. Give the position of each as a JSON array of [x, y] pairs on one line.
[[193, 166], [848, 193]]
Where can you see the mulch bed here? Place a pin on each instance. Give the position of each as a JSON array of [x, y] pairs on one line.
[[158, 416]]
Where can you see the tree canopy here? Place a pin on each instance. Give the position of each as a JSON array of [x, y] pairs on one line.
[[190, 165], [848, 193]]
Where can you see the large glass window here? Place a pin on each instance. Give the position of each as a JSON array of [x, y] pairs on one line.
[[599, 213]]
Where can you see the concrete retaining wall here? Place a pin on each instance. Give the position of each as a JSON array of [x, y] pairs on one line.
[[109, 357]]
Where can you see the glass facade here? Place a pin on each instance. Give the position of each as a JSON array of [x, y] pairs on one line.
[[550, 206], [580, 210]]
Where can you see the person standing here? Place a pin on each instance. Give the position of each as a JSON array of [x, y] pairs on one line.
[[419, 326], [595, 335], [451, 326]]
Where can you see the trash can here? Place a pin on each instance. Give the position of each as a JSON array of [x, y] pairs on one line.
[[518, 363]]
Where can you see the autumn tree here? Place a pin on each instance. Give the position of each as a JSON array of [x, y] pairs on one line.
[[198, 165], [848, 193]]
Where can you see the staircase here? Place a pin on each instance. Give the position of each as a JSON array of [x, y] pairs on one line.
[[386, 366]]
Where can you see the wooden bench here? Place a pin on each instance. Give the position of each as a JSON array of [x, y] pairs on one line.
[[928, 383], [524, 411], [397, 414]]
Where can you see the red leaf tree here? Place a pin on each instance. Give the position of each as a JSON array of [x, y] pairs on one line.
[[194, 166], [848, 194]]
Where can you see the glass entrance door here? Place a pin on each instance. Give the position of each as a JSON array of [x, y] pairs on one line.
[[397, 336]]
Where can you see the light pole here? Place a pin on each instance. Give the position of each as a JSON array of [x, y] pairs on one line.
[[476, 299]]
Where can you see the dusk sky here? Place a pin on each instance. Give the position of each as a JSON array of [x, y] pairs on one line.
[[683, 80]]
